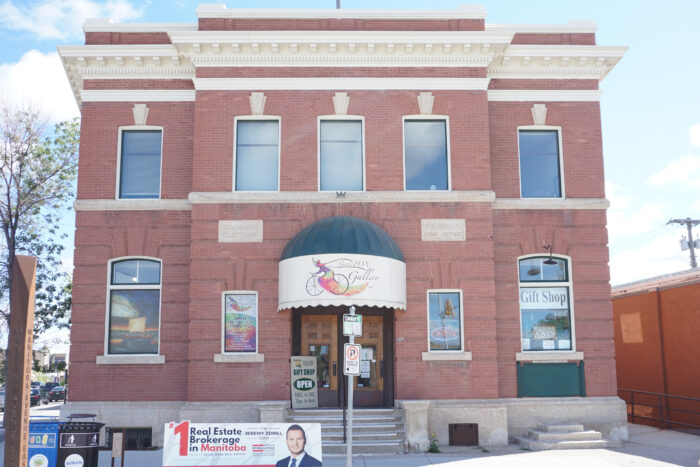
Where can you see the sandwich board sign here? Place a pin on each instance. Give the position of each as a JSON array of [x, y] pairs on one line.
[[304, 383]]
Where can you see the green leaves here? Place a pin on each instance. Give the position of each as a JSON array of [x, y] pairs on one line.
[[38, 169]]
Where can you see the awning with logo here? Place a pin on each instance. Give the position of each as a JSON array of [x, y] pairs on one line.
[[342, 260]]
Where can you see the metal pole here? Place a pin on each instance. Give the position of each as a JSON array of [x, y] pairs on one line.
[[348, 460]]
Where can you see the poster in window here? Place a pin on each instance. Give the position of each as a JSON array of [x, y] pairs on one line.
[[240, 322], [133, 321], [445, 327]]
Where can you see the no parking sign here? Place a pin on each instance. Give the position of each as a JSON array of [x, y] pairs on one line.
[[352, 359]]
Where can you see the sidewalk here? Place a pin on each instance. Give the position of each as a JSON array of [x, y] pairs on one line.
[[647, 446]]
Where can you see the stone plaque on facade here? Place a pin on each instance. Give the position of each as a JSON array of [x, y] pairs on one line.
[[443, 230], [240, 231]]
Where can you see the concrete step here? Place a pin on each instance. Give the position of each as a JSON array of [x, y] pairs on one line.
[[389, 436], [587, 435], [375, 448], [535, 445], [363, 419], [561, 428]]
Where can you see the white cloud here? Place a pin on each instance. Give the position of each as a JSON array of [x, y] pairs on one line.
[[660, 256], [38, 80], [62, 19], [623, 222], [685, 169], [617, 201], [694, 134]]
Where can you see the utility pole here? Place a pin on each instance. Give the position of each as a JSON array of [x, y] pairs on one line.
[[689, 223], [337, 4]]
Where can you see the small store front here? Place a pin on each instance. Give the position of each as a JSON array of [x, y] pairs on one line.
[[332, 264]]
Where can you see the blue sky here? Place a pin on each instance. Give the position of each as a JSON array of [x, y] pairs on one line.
[[651, 123]]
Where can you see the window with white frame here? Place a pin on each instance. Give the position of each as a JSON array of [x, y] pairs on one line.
[[139, 163], [340, 155], [257, 155], [426, 158], [445, 331], [240, 322], [545, 304], [133, 325], [540, 165]]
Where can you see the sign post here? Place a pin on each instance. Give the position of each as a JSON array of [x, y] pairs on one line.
[[351, 368], [19, 361]]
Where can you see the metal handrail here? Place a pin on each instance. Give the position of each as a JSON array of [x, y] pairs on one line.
[[665, 409]]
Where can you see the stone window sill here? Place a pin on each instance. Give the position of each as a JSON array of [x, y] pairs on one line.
[[130, 359], [447, 356], [545, 357], [239, 358]]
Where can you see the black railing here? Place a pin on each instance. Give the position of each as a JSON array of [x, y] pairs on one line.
[[666, 410]]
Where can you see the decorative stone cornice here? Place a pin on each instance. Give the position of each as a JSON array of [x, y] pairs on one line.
[[340, 48], [555, 62], [122, 62]]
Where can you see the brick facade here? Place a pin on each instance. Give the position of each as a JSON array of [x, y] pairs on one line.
[[197, 161]]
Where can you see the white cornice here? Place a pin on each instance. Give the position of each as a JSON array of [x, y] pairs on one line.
[[265, 84], [131, 205], [553, 203], [580, 26], [555, 62], [220, 11], [350, 197], [137, 95], [340, 48], [543, 95], [315, 197]]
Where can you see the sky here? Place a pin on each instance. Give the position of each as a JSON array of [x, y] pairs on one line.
[[650, 101]]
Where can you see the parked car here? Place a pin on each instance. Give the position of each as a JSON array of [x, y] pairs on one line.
[[58, 393], [34, 397], [45, 388], [2, 399]]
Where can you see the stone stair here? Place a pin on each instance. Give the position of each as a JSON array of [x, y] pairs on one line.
[[374, 431], [569, 436]]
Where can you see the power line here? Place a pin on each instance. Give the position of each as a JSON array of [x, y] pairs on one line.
[[689, 223], [640, 239]]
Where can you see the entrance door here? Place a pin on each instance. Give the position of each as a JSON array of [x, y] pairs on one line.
[[319, 338], [319, 333], [369, 386]]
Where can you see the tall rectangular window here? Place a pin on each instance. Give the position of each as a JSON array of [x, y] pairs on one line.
[[257, 155], [545, 304], [341, 156], [139, 173], [540, 174], [134, 307], [445, 320], [425, 148]]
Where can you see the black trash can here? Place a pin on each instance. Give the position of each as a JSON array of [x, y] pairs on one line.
[[79, 444]]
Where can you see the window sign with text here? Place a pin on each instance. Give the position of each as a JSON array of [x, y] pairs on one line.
[[545, 304], [240, 321]]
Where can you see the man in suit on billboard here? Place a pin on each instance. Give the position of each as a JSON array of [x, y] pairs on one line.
[[296, 441]]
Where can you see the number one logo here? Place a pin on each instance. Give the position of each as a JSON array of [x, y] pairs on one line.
[[183, 429]]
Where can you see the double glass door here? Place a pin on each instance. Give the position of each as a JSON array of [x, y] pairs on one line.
[[320, 335]]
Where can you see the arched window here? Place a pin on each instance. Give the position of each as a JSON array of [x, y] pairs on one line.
[[133, 326], [545, 304]]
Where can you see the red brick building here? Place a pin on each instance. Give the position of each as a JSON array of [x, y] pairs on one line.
[[245, 179]]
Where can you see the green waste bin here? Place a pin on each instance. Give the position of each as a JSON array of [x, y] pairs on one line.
[[79, 444]]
